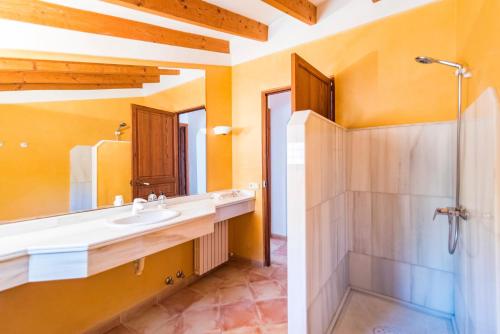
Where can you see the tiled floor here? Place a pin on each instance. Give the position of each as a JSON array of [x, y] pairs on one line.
[[237, 298], [367, 314]]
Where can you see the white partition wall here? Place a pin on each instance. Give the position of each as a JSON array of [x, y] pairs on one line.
[[317, 224], [477, 287]]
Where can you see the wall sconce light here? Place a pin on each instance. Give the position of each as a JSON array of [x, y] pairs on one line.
[[222, 130]]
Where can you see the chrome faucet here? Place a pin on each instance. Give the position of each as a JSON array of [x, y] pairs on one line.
[[138, 205]]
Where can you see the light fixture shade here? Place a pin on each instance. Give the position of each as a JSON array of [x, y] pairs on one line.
[[222, 130]]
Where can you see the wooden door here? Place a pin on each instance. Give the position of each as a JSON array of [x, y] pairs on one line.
[[155, 152], [311, 89], [183, 160]]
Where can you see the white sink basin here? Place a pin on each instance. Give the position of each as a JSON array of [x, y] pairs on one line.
[[226, 194], [148, 216]]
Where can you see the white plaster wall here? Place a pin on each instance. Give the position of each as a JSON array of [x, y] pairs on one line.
[[281, 110], [317, 223], [197, 150]]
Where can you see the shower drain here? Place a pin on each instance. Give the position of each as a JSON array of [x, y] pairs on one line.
[[386, 330]]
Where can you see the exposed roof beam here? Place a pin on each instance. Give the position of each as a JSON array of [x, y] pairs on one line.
[[302, 10], [16, 65], [72, 78], [38, 12], [203, 14], [16, 87]]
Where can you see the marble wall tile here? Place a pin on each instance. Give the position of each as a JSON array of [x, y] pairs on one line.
[[316, 221], [391, 278], [432, 159], [359, 206], [390, 159], [360, 270], [432, 289], [431, 237], [358, 161], [391, 227]]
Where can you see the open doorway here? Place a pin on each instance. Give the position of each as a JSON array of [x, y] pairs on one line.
[[192, 151], [277, 110]]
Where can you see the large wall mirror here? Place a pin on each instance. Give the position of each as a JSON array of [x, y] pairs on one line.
[[68, 147]]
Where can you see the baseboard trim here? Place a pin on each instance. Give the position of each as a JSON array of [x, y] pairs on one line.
[[241, 259], [337, 314]]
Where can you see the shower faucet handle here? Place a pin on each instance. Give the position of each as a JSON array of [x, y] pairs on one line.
[[452, 212], [441, 211]]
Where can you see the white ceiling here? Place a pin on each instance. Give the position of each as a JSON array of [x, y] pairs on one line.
[[284, 32]]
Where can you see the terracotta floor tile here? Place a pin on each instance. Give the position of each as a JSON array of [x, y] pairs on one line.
[[232, 275], [245, 330], [273, 311], [207, 284], [153, 320], [209, 299], [275, 329], [234, 294], [181, 301], [201, 321], [278, 259], [280, 274], [239, 298], [267, 290], [282, 250], [253, 277], [243, 314], [264, 271]]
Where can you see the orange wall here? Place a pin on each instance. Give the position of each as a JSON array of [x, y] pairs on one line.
[[478, 27], [377, 83], [182, 97], [40, 173], [72, 306]]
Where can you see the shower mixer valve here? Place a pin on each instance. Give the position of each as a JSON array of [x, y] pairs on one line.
[[452, 212]]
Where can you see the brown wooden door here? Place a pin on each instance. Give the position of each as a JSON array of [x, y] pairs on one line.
[[155, 152], [311, 89]]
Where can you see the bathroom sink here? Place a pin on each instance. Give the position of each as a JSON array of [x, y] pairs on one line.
[[226, 194], [148, 216]]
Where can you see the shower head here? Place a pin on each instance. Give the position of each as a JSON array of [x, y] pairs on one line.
[[430, 60], [425, 60], [121, 126]]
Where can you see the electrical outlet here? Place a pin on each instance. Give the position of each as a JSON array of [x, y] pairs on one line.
[[253, 186]]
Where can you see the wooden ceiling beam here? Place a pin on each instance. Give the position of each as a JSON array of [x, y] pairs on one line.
[[302, 10], [14, 64], [203, 14], [18, 87], [168, 72], [72, 78], [43, 13]]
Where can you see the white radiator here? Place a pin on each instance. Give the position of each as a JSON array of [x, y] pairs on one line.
[[211, 250]]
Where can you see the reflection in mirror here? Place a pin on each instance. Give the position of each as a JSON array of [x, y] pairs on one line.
[[69, 150]]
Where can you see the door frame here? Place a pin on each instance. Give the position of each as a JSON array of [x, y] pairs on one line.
[[266, 169], [186, 156]]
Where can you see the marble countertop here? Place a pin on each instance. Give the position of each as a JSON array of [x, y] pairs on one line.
[[87, 230]]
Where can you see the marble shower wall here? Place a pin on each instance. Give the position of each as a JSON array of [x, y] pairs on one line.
[[317, 222], [396, 177], [477, 290]]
